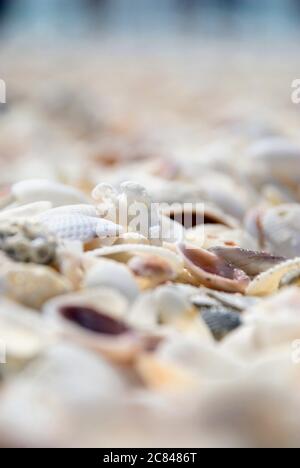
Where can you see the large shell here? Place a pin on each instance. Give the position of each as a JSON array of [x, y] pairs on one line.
[[32, 285], [110, 274], [212, 271], [96, 319]]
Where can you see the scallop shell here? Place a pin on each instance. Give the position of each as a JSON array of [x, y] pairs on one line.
[[35, 190], [269, 281], [32, 285], [95, 319], [111, 274], [79, 227], [212, 271]]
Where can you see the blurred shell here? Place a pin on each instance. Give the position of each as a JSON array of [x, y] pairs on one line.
[[215, 235], [151, 270], [281, 230], [23, 333], [96, 319], [32, 285], [212, 271], [111, 274], [269, 281], [35, 190], [59, 398], [27, 211], [292, 278]]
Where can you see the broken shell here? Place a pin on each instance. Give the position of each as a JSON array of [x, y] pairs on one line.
[[280, 228], [111, 274], [221, 320], [252, 263], [95, 319], [269, 281], [212, 271], [25, 241], [35, 190], [32, 285], [79, 227]]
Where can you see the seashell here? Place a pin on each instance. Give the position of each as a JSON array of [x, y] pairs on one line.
[[79, 227], [235, 301], [190, 215], [95, 319], [215, 235], [131, 249], [32, 285], [280, 228], [152, 270], [35, 190], [273, 159], [252, 263], [212, 271], [221, 320], [58, 399], [292, 278], [25, 241], [23, 334], [269, 281], [182, 363], [165, 310], [26, 211], [113, 275], [84, 210]]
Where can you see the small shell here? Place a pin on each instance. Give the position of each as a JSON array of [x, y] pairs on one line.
[[152, 270], [111, 274], [95, 319], [221, 320], [269, 281], [32, 285], [252, 263], [215, 235], [132, 249], [212, 271], [35, 190], [79, 227]]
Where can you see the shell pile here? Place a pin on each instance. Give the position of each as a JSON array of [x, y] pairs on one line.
[[150, 260]]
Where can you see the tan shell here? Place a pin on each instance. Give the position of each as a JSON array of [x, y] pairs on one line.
[[32, 285], [268, 282]]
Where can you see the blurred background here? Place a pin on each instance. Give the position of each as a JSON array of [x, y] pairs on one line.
[[139, 17]]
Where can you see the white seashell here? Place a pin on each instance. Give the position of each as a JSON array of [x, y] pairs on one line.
[[31, 285], [85, 210], [96, 319], [215, 235], [35, 190], [114, 275], [59, 399], [175, 261], [269, 281], [27, 211], [79, 227]]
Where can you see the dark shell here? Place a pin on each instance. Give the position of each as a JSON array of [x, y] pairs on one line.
[[221, 321]]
